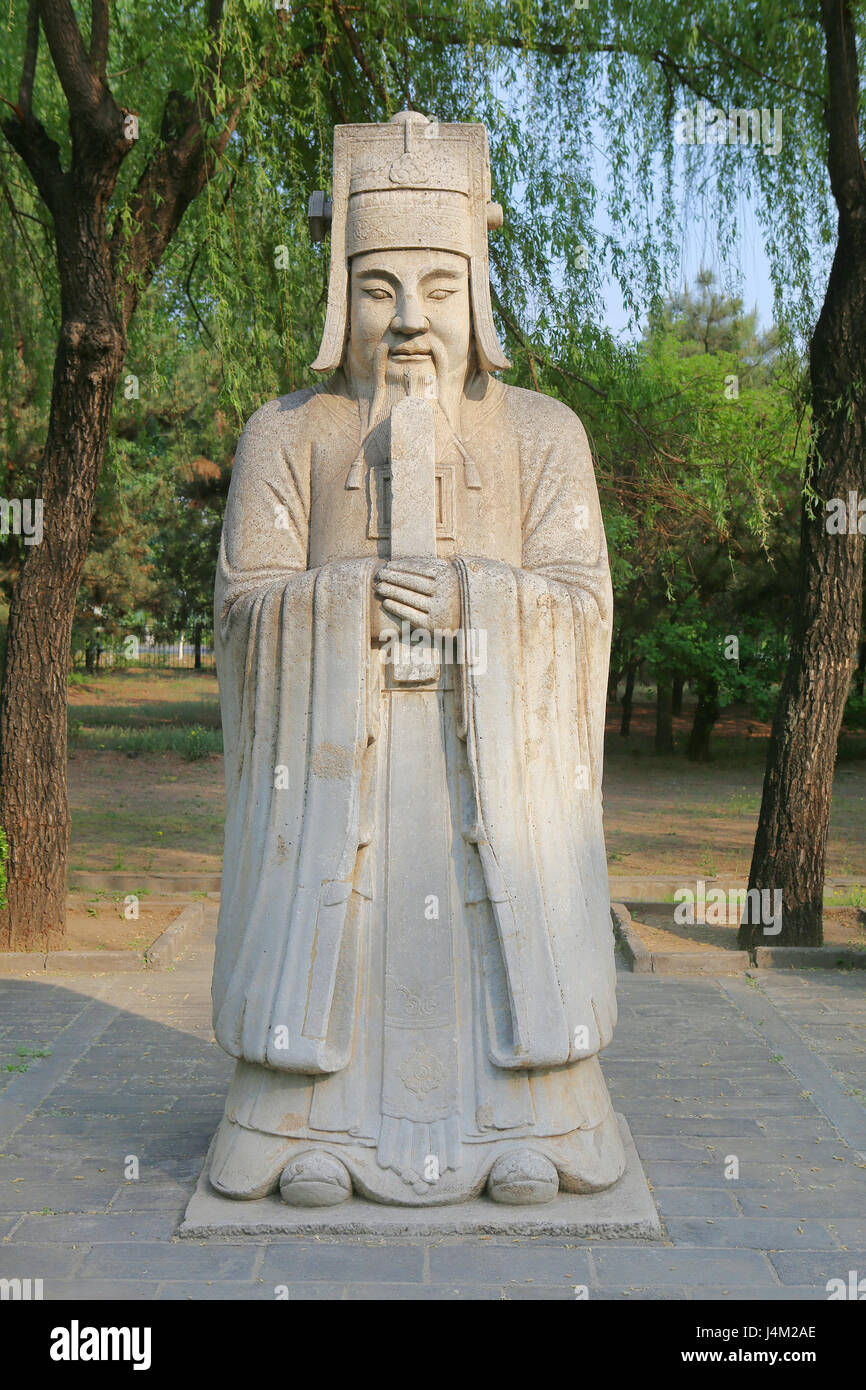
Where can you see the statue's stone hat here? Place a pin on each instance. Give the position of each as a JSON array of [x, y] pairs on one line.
[[410, 182]]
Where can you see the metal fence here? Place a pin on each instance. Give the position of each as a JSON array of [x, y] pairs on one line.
[[164, 654]]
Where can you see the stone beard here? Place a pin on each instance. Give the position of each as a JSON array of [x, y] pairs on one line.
[[414, 962]]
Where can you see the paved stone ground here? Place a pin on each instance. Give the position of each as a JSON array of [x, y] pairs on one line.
[[770, 1073]]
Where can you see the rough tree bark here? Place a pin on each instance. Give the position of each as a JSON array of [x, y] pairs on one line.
[[628, 695], [677, 696], [791, 842], [96, 305], [707, 712], [664, 739]]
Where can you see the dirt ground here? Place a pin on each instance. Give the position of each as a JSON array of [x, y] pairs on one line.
[[146, 689], [665, 815], [154, 813], [157, 813], [101, 926], [658, 931]]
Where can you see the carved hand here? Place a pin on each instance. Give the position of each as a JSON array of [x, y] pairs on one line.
[[423, 592]]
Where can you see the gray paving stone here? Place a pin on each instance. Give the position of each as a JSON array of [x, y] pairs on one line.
[[807, 1267], [167, 1260], [851, 1232], [807, 1128], [655, 1125], [692, 1149], [429, 1293], [825, 1204], [13, 1170], [209, 1291], [710, 1172], [694, 1201], [514, 1264], [285, 1263], [694, 1071], [806, 1293], [649, 1293], [543, 1293], [752, 1233], [87, 1290], [19, 1260], [685, 1267], [96, 1230], [155, 1195], [35, 1197]]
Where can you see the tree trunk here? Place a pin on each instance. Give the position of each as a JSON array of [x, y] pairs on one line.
[[706, 714], [196, 637], [860, 677], [664, 741], [34, 806], [89, 656], [628, 693], [677, 696], [791, 841], [100, 280]]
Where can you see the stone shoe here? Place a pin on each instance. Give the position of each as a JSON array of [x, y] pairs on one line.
[[523, 1177], [315, 1180], [247, 1164]]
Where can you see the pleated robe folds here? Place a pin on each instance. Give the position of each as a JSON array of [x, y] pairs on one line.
[[414, 952]]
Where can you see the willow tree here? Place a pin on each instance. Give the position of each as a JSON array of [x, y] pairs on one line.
[[119, 118], [234, 110], [714, 104]]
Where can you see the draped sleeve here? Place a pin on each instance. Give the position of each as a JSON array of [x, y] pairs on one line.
[[292, 652], [533, 716]]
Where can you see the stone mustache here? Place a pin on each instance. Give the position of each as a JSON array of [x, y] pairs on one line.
[[415, 966]]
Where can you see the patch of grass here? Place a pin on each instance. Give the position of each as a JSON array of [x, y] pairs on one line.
[[197, 743], [845, 897], [191, 742], [25, 1056], [205, 711]]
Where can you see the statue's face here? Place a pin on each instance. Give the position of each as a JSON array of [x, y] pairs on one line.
[[409, 314]]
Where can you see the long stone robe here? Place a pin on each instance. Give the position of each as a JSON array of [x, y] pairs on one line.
[[414, 959]]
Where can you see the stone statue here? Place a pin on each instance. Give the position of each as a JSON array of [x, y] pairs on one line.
[[415, 966]]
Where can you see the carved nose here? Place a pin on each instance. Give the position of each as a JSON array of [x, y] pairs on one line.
[[410, 318]]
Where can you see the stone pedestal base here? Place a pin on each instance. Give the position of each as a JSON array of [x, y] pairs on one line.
[[624, 1211]]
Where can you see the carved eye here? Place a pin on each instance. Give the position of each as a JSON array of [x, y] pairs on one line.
[[377, 293], [439, 294]]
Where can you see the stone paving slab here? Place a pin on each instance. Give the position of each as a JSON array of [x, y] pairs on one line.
[[134, 1070]]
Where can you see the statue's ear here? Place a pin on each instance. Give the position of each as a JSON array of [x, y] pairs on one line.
[[491, 358]]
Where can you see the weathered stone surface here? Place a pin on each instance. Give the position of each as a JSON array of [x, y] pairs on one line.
[[415, 966], [662, 1019], [626, 1211], [811, 957], [413, 479]]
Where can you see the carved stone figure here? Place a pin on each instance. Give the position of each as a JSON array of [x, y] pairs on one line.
[[415, 965]]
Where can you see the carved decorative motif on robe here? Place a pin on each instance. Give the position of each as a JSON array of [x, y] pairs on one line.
[[379, 502], [421, 1072], [413, 1004]]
